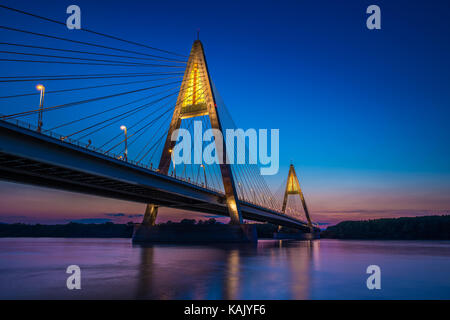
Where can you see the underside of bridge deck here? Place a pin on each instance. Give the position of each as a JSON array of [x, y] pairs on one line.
[[32, 158]]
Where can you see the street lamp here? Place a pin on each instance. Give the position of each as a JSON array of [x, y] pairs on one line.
[[41, 88], [204, 172], [173, 161], [242, 192], [126, 138]]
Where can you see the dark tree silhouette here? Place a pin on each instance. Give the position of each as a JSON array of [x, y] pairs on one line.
[[417, 228]]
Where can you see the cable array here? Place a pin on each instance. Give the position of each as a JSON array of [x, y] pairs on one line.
[[87, 92]]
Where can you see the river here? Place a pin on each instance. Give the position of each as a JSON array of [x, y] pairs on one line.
[[35, 268]]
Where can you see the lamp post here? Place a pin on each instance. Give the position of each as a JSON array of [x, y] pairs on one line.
[[173, 161], [240, 188], [124, 128], [41, 88], [204, 172]]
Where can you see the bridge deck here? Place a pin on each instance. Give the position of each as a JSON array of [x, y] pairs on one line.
[[34, 158]]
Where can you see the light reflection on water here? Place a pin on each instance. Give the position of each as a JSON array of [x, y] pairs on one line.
[[34, 268]]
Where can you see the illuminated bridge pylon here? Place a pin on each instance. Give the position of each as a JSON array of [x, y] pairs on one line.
[[293, 188], [106, 127], [196, 99]]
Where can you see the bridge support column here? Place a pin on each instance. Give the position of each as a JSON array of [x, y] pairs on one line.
[[204, 233], [293, 188], [197, 98], [151, 212]]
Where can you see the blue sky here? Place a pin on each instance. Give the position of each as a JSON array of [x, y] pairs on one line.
[[362, 114]]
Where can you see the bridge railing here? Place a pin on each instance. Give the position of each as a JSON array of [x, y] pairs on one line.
[[88, 146], [91, 147]]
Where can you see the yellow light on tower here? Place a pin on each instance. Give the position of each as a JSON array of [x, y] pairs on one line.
[[292, 187], [232, 205]]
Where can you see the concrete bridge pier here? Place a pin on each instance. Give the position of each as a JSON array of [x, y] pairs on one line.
[[149, 232], [180, 233], [280, 235]]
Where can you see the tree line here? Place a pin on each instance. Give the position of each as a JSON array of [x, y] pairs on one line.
[[414, 228]]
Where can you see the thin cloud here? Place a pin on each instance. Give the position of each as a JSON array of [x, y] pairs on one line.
[[115, 214], [91, 220]]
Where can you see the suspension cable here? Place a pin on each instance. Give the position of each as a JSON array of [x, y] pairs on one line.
[[25, 113], [88, 77], [82, 42], [90, 87], [90, 31], [118, 62], [86, 52]]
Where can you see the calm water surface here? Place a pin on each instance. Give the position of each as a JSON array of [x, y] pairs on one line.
[[34, 268]]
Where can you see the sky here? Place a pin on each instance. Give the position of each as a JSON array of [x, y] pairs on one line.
[[363, 114]]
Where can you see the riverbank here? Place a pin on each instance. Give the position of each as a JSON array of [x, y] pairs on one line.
[[415, 228], [104, 230], [69, 230]]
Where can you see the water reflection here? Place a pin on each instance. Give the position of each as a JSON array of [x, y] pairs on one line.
[[272, 269], [189, 272], [145, 273], [231, 276], [219, 272], [300, 264]]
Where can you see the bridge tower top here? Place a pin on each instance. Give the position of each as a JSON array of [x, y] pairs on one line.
[[293, 188], [195, 99]]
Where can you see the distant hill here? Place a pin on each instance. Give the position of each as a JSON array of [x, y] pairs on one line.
[[416, 228]]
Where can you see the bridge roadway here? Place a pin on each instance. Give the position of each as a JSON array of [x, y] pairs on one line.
[[27, 156]]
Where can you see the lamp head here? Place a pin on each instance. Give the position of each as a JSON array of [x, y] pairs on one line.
[[40, 87], [123, 128]]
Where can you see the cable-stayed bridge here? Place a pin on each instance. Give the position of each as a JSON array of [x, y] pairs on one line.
[[92, 125]]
